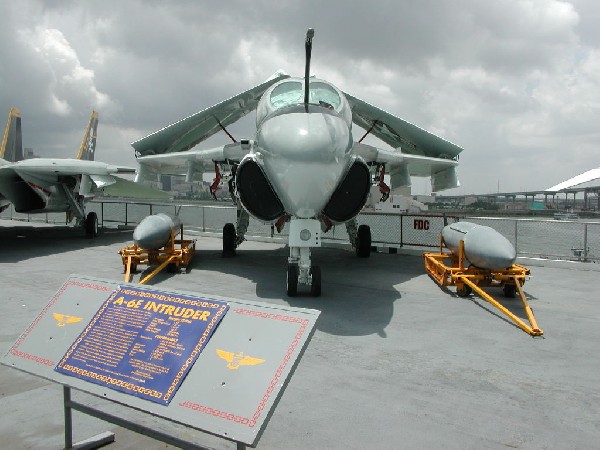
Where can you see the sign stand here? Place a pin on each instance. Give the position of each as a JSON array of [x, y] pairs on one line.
[[94, 442], [107, 437]]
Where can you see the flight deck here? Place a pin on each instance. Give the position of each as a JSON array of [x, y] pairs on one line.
[[396, 360]]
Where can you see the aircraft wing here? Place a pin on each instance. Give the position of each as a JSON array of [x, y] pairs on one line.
[[188, 132], [399, 133], [401, 166], [191, 163], [119, 187], [93, 175]]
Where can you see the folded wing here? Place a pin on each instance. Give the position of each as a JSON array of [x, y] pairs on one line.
[[419, 153], [399, 133], [188, 132]]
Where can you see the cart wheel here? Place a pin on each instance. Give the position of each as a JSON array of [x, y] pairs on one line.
[[464, 290], [172, 268], [510, 290]]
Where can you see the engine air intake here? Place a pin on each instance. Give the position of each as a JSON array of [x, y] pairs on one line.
[[256, 193], [350, 195]]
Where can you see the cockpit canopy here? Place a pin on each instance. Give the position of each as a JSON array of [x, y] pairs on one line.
[[290, 92]]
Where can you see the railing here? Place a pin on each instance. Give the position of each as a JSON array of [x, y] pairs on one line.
[[547, 238], [550, 239]]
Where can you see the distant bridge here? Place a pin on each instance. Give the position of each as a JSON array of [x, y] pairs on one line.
[[589, 196]]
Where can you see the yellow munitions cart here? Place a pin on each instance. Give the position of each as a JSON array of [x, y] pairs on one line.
[[449, 269], [175, 254]]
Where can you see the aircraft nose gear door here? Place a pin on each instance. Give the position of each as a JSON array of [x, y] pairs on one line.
[[304, 234]]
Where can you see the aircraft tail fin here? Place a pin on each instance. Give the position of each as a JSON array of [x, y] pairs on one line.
[[88, 143], [12, 141]]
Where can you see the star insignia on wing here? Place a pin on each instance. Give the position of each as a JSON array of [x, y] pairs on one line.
[[64, 319], [235, 360]]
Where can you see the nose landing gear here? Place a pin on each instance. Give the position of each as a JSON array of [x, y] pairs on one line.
[[311, 277], [304, 234]]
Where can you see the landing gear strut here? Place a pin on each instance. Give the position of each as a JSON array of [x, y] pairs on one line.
[[304, 234], [89, 223]]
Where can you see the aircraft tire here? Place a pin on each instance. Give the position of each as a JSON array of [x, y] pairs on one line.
[[228, 240], [315, 286], [91, 225], [363, 241], [292, 280]]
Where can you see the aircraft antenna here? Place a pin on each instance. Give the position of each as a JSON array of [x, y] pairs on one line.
[[308, 46]]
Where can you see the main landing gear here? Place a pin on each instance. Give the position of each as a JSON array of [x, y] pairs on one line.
[[231, 238], [90, 225], [360, 238]]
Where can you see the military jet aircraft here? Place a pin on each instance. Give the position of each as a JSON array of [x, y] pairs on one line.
[[43, 185], [303, 166]]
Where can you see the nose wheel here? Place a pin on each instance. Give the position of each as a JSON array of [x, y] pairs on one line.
[[292, 280], [313, 279]]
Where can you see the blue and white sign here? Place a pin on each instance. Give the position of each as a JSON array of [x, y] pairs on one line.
[[143, 342]]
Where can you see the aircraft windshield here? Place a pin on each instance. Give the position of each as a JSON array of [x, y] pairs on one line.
[[291, 93], [324, 95], [285, 94]]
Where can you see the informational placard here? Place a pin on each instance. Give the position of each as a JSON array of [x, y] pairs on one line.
[[232, 388], [143, 342]]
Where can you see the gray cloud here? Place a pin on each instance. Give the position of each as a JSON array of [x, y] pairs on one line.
[[515, 82]]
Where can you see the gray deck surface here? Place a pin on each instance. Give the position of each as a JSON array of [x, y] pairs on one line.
[[396, 361]]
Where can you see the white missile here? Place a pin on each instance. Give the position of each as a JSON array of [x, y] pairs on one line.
[[154, 232], [483, 247]]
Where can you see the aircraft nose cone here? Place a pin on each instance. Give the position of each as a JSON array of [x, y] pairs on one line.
[[314, 137]]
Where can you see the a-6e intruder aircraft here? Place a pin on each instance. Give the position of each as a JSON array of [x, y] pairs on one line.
[[42, 185], [303, 166]]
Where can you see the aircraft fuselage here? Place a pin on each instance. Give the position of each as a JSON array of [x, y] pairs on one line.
[[304, 150]]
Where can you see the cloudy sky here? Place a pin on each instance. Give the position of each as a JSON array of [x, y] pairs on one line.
[[516, 83]]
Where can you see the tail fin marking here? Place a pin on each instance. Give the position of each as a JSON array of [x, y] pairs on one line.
[[88, 143], [12, 141]]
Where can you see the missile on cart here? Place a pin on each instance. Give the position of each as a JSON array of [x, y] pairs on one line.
[[483, 247], [154, 232]]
